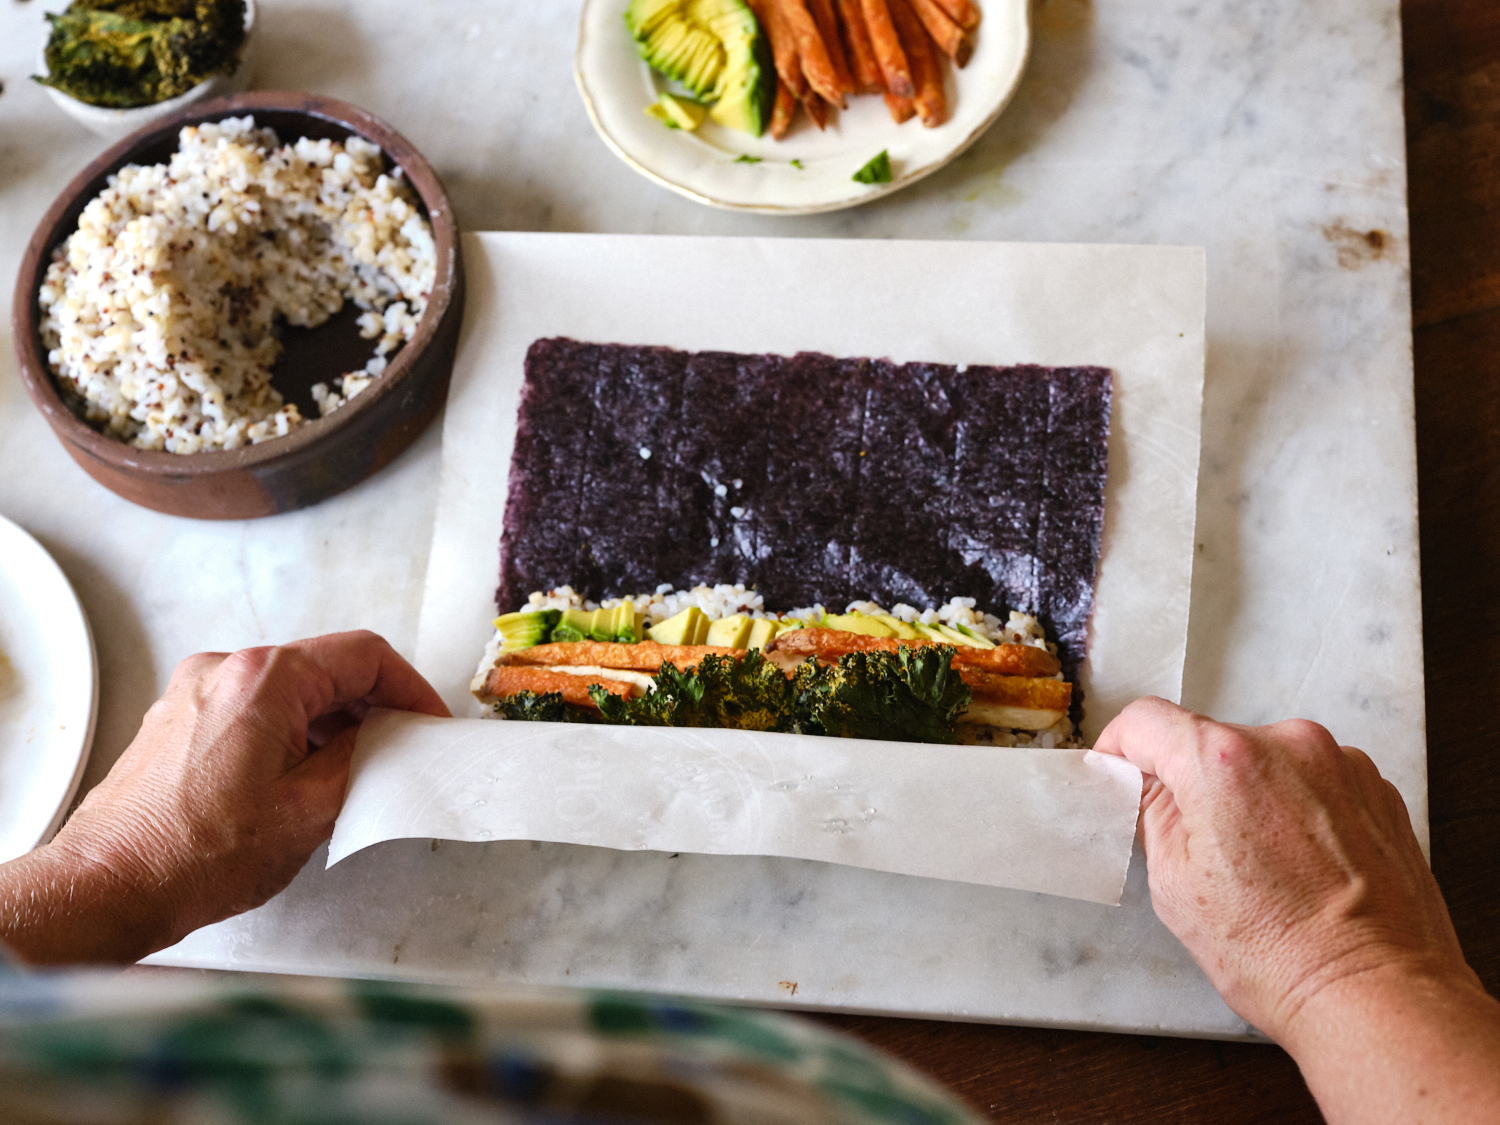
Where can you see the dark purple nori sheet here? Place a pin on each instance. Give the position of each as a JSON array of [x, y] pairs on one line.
[[812, 478]]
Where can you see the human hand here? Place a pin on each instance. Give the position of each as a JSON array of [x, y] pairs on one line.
[[234, 779], [1281, 860]]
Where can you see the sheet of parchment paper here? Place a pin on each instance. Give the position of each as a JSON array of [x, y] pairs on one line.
[[1056, 821], [1138, 310]]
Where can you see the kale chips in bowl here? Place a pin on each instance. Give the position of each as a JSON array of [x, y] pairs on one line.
[[117, 65]]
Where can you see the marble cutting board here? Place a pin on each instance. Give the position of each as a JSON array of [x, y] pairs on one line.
[[1269, 132]]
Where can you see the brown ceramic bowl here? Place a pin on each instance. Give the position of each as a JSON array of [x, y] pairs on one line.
[[323, 456]]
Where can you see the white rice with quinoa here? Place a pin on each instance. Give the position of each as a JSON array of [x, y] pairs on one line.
[[160, 313]]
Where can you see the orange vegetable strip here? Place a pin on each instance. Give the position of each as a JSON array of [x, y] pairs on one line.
[[784, 110], [902, 109], [945, 33], [816, 64], [965, 13], [817, 109], [783, 45], [887, 46], [828, 31], [505, 680], [927, 74], [830, 644], [646, 656], [862, 62]]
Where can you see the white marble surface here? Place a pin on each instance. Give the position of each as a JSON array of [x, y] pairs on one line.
[[1268, 131]]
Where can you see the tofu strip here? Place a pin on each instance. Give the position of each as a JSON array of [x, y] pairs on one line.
[[1034, 693], [830, 644]]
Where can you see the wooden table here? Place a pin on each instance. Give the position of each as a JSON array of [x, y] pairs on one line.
[[1452, 51]]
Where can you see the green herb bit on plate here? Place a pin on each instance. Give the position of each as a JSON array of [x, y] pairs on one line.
[[797, 164], [746, 158], [716, 50], [877, 171], [126, 53]]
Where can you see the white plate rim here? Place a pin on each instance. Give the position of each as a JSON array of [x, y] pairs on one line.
[[68, 614], [869, 195]]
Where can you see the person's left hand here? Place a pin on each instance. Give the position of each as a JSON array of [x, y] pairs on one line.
[[234, 780]]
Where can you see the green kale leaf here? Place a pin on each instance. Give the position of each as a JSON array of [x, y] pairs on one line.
[[910, 695], [876, 171], [744, 693], [535, 707]]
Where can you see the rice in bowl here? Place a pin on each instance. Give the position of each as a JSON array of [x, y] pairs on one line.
[[160, 313]]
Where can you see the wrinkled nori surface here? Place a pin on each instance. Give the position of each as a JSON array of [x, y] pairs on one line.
[[841, 479]]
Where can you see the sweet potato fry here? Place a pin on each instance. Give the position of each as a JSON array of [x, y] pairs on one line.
[[948, 36], [828, 31], [647, 656], [783, 111], [816, 108], [783, 45], [830, 644], [813, 51], [506, 680], [887, 46], [965, 13], [862, 64], [902, 109], [926, 73]]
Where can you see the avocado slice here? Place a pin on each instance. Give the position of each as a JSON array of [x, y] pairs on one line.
[[762, 631], [953, 637], [861, 623], [676, 113], [730, 632], [689, 627], [978, 638], [903, 631], [716, 49], [623, 624], [524, 630], [575, 625]]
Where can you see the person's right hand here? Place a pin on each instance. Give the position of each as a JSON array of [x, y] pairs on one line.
[[1288, 868], [1279, 858]]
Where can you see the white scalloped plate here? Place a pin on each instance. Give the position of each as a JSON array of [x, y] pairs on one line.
[[617, 86], [49, 693]]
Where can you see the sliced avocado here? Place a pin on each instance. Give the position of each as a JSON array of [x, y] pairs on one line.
[[954, 637], [861, 623], [747, 87], [930, 632], [621, 625], [658, 111], [681, 113], [902, 630], [978, 638], [675, 40], [601, 625], [575, 625], [762, 629], [786, 624], [689, 627], [730, 632], [525, 629]]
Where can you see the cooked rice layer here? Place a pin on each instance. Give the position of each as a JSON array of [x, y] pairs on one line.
[[160, 312]]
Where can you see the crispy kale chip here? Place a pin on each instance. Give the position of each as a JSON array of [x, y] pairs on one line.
[[746, 693], [910, 695], [535, 707], [124, 53]]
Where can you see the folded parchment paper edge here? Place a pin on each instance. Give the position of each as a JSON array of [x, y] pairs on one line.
[[1052, 821]]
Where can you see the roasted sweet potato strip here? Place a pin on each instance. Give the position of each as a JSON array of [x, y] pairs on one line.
[[830, 644], [887, 46], [506, 680], [948, 36], [644, 657], [902, 109], [816, 108], [926, 72], [813, 51], [965, 13], [828, 31], [784, 110], [862, 64], [1036, 693], [783, 46]]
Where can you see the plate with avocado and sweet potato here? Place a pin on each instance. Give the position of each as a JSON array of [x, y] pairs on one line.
[[796, 106]]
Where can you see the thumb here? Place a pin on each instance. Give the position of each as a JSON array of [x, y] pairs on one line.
[[323, 778]]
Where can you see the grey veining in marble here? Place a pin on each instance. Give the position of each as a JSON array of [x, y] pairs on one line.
[[1268, 131]]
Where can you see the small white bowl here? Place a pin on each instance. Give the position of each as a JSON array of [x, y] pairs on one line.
[[112, 124]]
